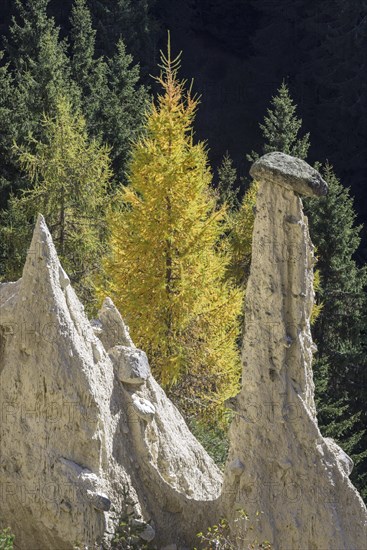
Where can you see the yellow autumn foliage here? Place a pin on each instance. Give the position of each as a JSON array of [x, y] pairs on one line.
[[241, 223], [169, 256]]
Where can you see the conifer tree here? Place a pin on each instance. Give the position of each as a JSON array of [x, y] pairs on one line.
[[341, 361], [120, 116], [113, 100], [227, 179], [281, 127], [36, 73], [69, 175], [8, 130], [39, 58], [39, 72], [168, 263], [83, 38], [240, 238], [129, 20]]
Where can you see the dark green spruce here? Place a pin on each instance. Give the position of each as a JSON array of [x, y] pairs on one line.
[[340, 366], [113, 101], [227, 188], [281, 127], [36, 72]]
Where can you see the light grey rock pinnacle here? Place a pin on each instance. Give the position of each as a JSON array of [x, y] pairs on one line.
[[297, 479], [73, 436]]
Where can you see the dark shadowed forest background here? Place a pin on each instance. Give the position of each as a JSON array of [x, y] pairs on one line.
[[239, 52]]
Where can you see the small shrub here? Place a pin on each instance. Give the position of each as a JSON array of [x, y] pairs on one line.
[[6, 539], [219, 537], [127, 536], [213, 438]]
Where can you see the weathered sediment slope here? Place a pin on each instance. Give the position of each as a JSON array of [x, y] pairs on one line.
[[83, 421], [279, 463]]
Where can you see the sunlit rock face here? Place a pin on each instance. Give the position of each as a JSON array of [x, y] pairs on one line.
[[279, 464], [84, 423]]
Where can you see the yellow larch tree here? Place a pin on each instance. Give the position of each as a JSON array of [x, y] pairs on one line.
[[169, 255]]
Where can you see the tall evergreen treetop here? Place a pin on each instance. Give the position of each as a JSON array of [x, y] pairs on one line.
[[114, 101], [227, 179], [281, 127], [8, 130], [106, 90], [36, 74], [121, 110], [83, 38], [30, 23], [36, 52]]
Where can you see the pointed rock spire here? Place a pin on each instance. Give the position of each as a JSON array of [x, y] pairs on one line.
[[79, 431]]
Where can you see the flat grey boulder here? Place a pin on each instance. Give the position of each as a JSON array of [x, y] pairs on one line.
[[131, 364], [146, 531], [289, 172]]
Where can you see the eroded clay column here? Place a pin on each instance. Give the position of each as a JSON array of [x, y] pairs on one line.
[[279, 463]]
